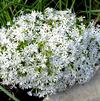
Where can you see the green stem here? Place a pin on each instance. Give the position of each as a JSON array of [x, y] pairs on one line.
[[8, 93]]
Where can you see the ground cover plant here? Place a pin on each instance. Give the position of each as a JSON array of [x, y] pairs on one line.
[[46, 52]]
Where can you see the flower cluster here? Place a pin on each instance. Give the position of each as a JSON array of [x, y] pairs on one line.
[[88, 54], [47, 52]]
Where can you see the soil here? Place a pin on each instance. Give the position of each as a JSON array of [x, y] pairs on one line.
[[20, 94]]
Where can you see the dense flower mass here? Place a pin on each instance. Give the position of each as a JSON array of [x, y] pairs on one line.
[[49, 51]]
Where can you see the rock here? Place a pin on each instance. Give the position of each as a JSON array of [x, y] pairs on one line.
[[87, 92]]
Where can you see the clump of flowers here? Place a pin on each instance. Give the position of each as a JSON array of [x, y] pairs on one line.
[[47, 52], [87, 56]]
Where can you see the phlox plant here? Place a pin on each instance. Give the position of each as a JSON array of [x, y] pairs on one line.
[[48, 51]]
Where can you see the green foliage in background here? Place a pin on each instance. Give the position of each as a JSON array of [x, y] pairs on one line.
[[12, 8]]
